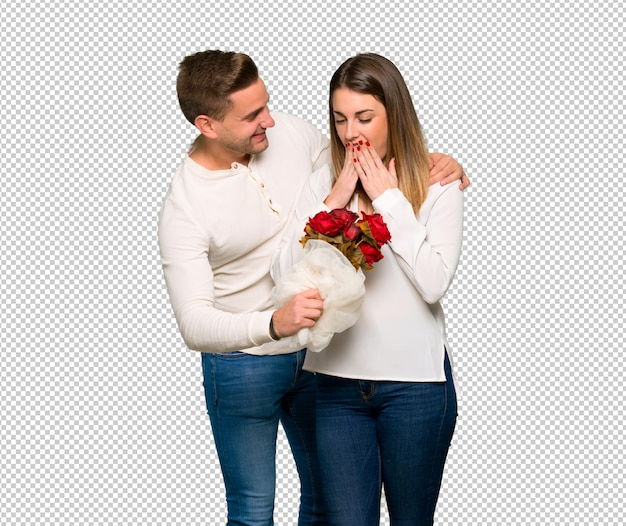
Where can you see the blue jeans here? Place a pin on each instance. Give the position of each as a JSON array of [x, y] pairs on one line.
[[246, 396], [371, 433]]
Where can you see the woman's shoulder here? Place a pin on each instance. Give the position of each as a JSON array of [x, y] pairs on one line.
[[448, 196], [449, 191]]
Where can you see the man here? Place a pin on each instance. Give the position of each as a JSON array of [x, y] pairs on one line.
[[219, 224]]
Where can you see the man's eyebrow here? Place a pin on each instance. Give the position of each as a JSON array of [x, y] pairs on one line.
[[252, 115]]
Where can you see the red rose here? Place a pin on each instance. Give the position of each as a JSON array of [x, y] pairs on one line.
[[333, 222], [324, 223], [351, 232], [372, 254], [344, 215], [377, 228]]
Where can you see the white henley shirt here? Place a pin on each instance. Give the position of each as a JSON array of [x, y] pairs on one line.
[[218, 230]]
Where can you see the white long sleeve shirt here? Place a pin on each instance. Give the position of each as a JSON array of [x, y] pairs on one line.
[[218, 230], [400, 334]]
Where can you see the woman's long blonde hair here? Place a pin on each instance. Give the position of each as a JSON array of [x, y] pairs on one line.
[[375, 75]]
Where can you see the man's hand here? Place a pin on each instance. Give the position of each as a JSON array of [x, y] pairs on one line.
[[301, 311], [444, 170]]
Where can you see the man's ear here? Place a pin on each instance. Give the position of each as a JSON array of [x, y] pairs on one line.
[[204, 123]]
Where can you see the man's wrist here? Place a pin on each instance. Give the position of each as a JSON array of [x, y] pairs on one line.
[[273, 334]]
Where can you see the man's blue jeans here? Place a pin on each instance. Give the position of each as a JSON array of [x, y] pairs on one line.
[[246, 396], [392, 433]]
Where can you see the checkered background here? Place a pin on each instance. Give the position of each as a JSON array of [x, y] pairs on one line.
[[102, 412]]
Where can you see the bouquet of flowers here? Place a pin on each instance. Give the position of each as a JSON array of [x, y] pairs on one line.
[[359, 240], [338, 246]]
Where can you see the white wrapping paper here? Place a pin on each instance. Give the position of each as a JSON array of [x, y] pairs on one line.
[[340, 285]]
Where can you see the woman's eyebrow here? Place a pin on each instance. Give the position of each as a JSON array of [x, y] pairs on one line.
[[357, 113]]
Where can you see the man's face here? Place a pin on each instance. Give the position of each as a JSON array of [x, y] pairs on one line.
[[243, 129]]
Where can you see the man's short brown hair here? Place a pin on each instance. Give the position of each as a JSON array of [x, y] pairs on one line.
[[208, 78]]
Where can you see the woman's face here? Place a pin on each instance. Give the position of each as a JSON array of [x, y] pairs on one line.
[[360, 117]]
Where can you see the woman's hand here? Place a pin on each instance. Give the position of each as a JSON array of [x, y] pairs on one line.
[[345, 185], [374, 176]]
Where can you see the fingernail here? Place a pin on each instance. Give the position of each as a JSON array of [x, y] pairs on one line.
[[360, 142], [347, 144], [358, 148], [354, 160], [367, 143]]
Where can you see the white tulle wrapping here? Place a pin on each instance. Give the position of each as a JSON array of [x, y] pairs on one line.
[[342, 287]]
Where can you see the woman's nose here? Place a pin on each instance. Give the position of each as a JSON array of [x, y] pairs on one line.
[[351, 133]]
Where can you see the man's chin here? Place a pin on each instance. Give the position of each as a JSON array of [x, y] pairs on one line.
[[260, 145]]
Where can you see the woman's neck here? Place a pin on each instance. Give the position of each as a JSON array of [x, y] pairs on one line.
[[365, 205]]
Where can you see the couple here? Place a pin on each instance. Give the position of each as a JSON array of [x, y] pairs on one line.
[[356, 415]]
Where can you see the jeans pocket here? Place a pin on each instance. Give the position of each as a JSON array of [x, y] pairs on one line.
[[231, 355]]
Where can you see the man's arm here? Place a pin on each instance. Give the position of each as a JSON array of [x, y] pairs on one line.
[[190, 284]]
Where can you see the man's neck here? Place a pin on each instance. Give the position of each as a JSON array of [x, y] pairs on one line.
[[213, 158]]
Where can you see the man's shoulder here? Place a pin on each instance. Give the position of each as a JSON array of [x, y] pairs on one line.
[[288, 119], [191, 178], [295, 131], [290, 122]]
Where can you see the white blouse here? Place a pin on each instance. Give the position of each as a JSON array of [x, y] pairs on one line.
[[400, 335]]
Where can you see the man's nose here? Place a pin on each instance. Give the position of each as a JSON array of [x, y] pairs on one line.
[[267, 121]]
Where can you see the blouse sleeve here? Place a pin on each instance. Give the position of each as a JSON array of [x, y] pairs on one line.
[[427, 247]]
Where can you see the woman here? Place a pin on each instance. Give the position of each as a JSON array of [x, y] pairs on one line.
[[386, 407]]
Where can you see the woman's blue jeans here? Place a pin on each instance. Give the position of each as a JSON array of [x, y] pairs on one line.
[[246, 397], [392, 433]]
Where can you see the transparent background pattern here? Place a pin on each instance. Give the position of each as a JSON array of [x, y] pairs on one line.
[[101, 404]]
